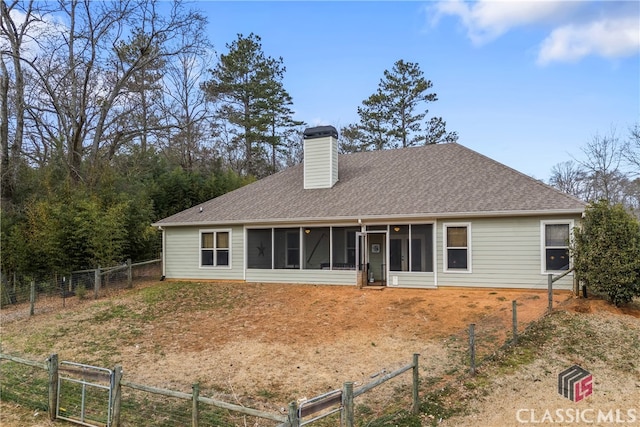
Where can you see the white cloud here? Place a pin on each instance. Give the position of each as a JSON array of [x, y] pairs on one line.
[[39, 27], [576, 28], [609, 38], [487, 20]]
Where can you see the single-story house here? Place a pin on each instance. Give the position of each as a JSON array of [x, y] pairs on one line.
[[419, 217]]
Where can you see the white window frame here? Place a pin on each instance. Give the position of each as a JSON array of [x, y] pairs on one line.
[[543, 244], [215, 232], [445, 247]]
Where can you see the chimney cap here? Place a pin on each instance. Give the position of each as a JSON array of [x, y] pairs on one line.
[[320, 132]]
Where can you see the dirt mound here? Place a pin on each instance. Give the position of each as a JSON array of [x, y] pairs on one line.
[[595, 304]]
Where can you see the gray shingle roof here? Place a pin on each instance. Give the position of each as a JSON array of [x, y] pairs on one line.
[[432, 181]]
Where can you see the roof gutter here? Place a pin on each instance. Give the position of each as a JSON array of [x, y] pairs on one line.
[[374, 218]]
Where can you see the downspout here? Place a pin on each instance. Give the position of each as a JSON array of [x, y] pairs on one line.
[[435, 253]]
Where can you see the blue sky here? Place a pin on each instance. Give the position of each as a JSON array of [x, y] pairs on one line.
[[526, 83]]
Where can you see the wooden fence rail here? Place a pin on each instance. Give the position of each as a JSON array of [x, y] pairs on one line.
[[218, 403], [343, 398]]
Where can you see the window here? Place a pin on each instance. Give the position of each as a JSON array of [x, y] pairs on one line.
[[555, 242], [214, 248], [457, 247]]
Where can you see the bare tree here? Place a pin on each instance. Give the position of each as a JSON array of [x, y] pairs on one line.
[[603, 157], [568, 177], [87, 74], [15, 35], [186, 110], [631, 152]]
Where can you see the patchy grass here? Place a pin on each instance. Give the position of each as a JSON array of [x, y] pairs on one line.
[[241, 334]]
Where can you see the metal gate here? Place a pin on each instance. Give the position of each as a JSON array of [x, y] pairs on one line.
[[84, 394]]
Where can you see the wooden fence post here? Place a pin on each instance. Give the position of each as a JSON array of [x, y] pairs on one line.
[[514, 312], [294, 419], [96, 283], [195, 414], [32, 299], [52, 367], [116, 396], [472, 347], [347, 404], [415, 408], [129, 274], [550, 291]]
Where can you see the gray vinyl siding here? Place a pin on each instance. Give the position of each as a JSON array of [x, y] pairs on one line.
[[313, 277], [334, 161], [182, 257], [405, 279], [505, 253], [321, 163]]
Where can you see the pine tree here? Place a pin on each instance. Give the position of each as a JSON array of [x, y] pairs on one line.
[[396, 114], [247, 88]]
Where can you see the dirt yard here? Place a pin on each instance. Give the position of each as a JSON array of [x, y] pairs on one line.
[[297, 340], [285, 341]]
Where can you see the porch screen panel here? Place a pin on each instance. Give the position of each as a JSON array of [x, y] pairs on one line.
[[344, 248], [316, 248], [422, 247], [399, 248], [259, 253], [286, 246]]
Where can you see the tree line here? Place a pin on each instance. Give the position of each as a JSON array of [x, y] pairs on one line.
[[606, 245], [116, 114], [608, 168]]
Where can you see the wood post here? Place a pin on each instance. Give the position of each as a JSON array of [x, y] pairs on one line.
[[116, 396], [347, 405], [32, 298], [294, 420], [415, 407], [52, 367], [472, 347], [96, 283], [195, 414], [514, 312], [550, 292], [129, 274]]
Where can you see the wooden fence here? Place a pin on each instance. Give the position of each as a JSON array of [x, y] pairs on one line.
[[514, 319], [297, 416], [44, 295]]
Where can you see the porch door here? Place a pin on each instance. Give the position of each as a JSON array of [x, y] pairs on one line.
[[377, 257], [371, 257]]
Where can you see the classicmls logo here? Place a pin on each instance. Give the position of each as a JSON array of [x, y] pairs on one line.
[[575, 383]]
